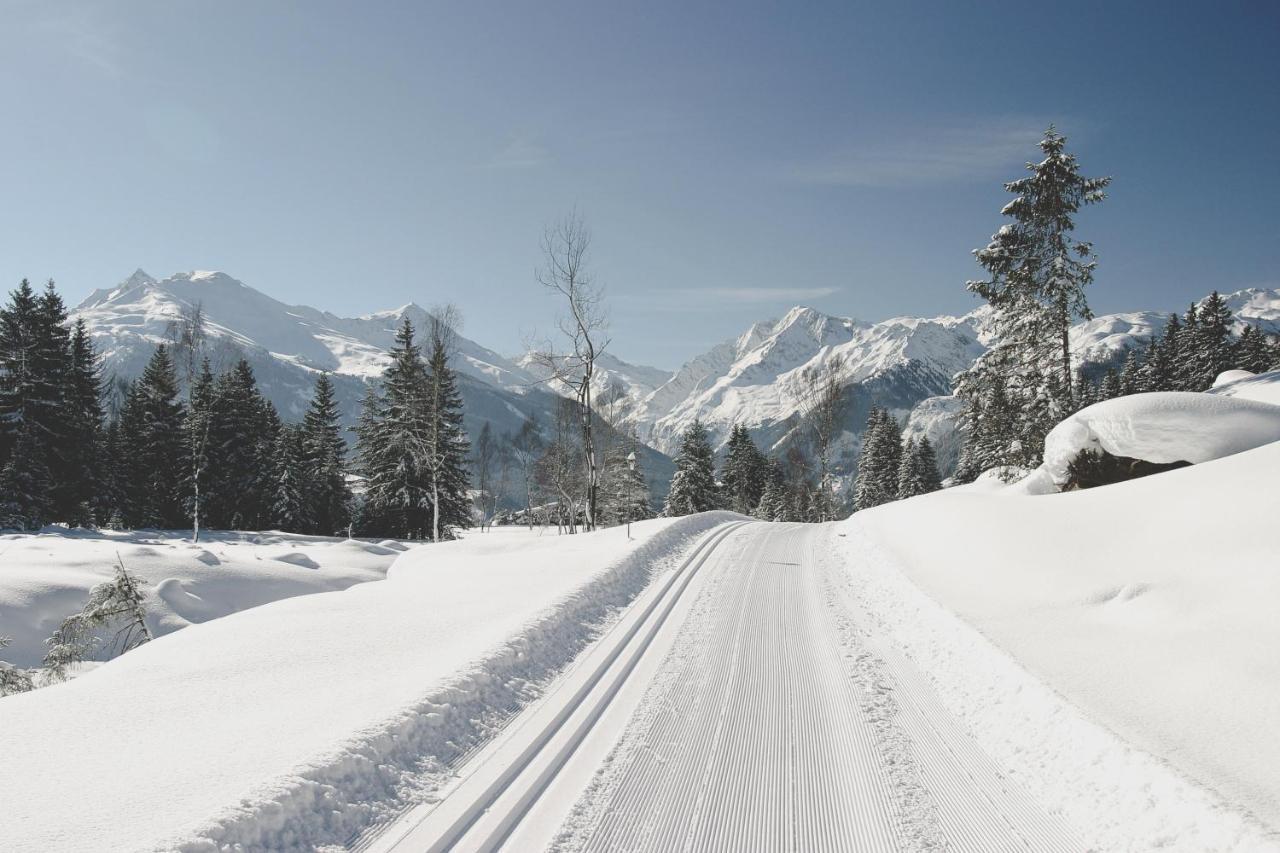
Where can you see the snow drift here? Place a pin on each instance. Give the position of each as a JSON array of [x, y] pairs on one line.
[[46, 576], [1149, 605], [302, 722]]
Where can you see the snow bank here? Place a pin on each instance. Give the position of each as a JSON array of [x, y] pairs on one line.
[[1147, 605], [1263, 387], [301, 722], [1161, 427], [46, 576]]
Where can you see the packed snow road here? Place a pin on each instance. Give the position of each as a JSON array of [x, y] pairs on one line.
[[741, 707]]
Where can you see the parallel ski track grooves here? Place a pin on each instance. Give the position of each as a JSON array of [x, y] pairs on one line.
[[762, 744], [755, 737], [642, 632]]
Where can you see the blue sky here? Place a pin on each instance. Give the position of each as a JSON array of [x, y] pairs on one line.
[[732, 160]]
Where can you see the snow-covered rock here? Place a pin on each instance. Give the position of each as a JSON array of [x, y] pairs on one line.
[[1263, 387], [1162, 427]]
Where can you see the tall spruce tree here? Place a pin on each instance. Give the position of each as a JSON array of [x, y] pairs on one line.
[[393, 439], [877, 480], [19, 385], [152, 442], [624, 494], [241, 431], [80, 497], [324, 462], [447, 446], [289, 504], [743, 473], [1211, 343], [693, 487], [773, 501], [1037, 273]]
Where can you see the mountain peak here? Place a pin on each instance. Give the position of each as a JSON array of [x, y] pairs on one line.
[[138, 277]]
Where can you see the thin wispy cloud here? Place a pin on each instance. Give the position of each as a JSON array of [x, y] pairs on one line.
[[717, 296], [81, 32], [520, 152], [951, 154]]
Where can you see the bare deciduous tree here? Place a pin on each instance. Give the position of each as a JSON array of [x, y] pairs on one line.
[[526, 445], [559, 471], [822, 398], [187, 336], [565, 246]]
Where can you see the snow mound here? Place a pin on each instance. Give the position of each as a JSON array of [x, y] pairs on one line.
[[1262, 387], [1226, 377], [1162, 427], [46, 576]]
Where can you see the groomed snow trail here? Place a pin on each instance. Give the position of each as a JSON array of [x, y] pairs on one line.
[[760, 715]]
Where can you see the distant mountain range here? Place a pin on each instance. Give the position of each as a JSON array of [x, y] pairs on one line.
[[905, 363]]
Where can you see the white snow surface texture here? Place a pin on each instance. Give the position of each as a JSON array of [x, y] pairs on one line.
[[45, 577], [300, 722], [1149, 605], [1162, 427]]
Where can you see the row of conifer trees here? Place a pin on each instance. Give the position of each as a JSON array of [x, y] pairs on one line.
[[209, 450]]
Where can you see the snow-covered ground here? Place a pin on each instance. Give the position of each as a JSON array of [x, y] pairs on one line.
[[1147, 606], [46, 576], [301, 722]]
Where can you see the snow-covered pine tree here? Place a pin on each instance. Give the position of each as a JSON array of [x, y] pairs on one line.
[[393, 436], [1111, 385], [1034, 264], [624, 494], [241, 441], [693, 487], [80, 496], [1163, 363], [743, 473], [1252, 351], [927, 478], [153, 447], [1212, 340], [324, 463], [773, 501], [1131, 379], [877, 480], [26, 484], [906, 470], [1037, 275], [52, 374], [1187, 367], [12, 679], [289, 505], [447, 446], [117, 604], [19, 323]]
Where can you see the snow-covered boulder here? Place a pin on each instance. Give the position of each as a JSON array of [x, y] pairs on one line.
[[1226, 377], [1263, 387], [1161, 427]]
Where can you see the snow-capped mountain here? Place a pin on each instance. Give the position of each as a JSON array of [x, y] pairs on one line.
[[142, 310], [288, 346], [905, 363], [757, 379]]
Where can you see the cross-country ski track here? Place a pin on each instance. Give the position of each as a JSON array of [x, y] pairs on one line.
[[738, 705]]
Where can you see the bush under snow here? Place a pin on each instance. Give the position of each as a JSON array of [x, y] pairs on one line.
[[1160, 427]]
